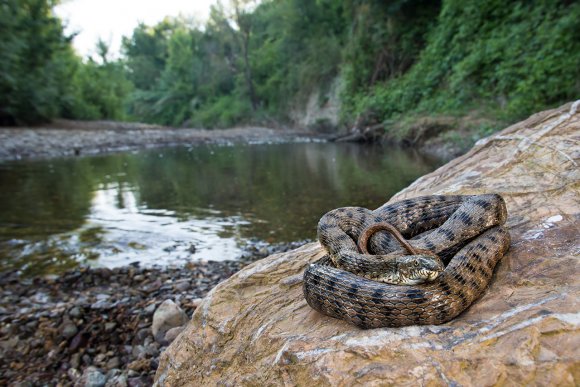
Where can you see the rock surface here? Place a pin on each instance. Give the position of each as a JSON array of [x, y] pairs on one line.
[[322, 109], [256, 328], [167, 316]]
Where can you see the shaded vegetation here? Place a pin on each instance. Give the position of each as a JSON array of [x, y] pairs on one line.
[[256, 61], [511, 59], [40, 75]]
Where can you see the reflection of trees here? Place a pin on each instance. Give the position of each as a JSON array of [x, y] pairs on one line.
[[40, 198], [289, 186]]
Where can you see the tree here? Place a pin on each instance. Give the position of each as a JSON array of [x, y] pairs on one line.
[[243, 17], [35, 64]]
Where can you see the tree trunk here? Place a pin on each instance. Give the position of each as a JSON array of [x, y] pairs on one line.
[[248, 72]]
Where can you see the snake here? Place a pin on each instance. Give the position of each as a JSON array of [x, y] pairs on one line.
[[419, 261]]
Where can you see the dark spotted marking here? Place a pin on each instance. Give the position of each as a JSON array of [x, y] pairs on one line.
[[486, 205], [470, 267], [444, 299], [448, 234], [466, 219]]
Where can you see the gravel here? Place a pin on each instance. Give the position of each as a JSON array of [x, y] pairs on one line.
[[77, 138], [91, 326]]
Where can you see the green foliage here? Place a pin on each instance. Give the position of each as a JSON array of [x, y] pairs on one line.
[[41, 77], [257, 60], [385, 39], [244, 65], [99, 91], [512, 58], [146, 52], [34, 61], [224, 112]]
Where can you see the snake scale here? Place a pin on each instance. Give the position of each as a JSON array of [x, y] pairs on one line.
[[465, 232]]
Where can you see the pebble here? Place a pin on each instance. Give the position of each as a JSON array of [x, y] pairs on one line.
[[119, 380], [91, 377], [75, 312], [150, 309], [100, 358], [110, 327], [168, 315], [113, 362], [73, 374], [182, 286], [57, 331], [75, 360], [68, 330], [173, 333]]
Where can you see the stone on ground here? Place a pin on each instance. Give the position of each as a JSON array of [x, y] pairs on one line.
[[168, 315]]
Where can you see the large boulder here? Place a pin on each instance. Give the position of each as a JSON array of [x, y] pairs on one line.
[[256, 328]]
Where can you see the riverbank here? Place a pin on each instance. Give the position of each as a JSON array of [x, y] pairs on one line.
[[444, 137], [77, 138], [98, 324]]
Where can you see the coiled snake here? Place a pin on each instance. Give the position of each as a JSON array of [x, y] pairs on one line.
[[464, 231]]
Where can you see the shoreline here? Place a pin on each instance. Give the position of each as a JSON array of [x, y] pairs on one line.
[[81, 138], [97, 323]]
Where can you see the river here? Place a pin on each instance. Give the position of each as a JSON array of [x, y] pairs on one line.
[[173, 205]]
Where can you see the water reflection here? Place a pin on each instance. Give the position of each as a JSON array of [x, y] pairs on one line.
[[175, 204]]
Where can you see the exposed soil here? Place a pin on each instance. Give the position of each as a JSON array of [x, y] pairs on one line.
[[76, 138]]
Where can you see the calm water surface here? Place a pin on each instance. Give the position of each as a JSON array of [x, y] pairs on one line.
[[178, 204]]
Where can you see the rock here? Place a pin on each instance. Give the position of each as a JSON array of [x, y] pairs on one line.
[[173, 333], [75, 360], [110, 327], [149, 309], [138, 351], [91, 377], [79, 341], [153, 349], [112, 363], [117, 379], [100, 358], [196, 302], [182, 286], [68, 329], [75, 312], [73, 374], [168, 315], [142, 334], [139, 365], [102, 304], [141, 381], [524, 330]]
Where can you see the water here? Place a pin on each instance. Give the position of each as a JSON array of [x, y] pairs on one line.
[[178, 204]]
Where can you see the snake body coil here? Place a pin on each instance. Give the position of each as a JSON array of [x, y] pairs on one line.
[[466, 232]]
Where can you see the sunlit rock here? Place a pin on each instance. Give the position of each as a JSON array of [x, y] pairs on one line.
[[256, 328]]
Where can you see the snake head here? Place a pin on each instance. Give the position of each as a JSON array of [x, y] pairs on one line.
[[416, 269]]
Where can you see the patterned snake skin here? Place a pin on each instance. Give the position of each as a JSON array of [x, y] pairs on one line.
[[466, 232]]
